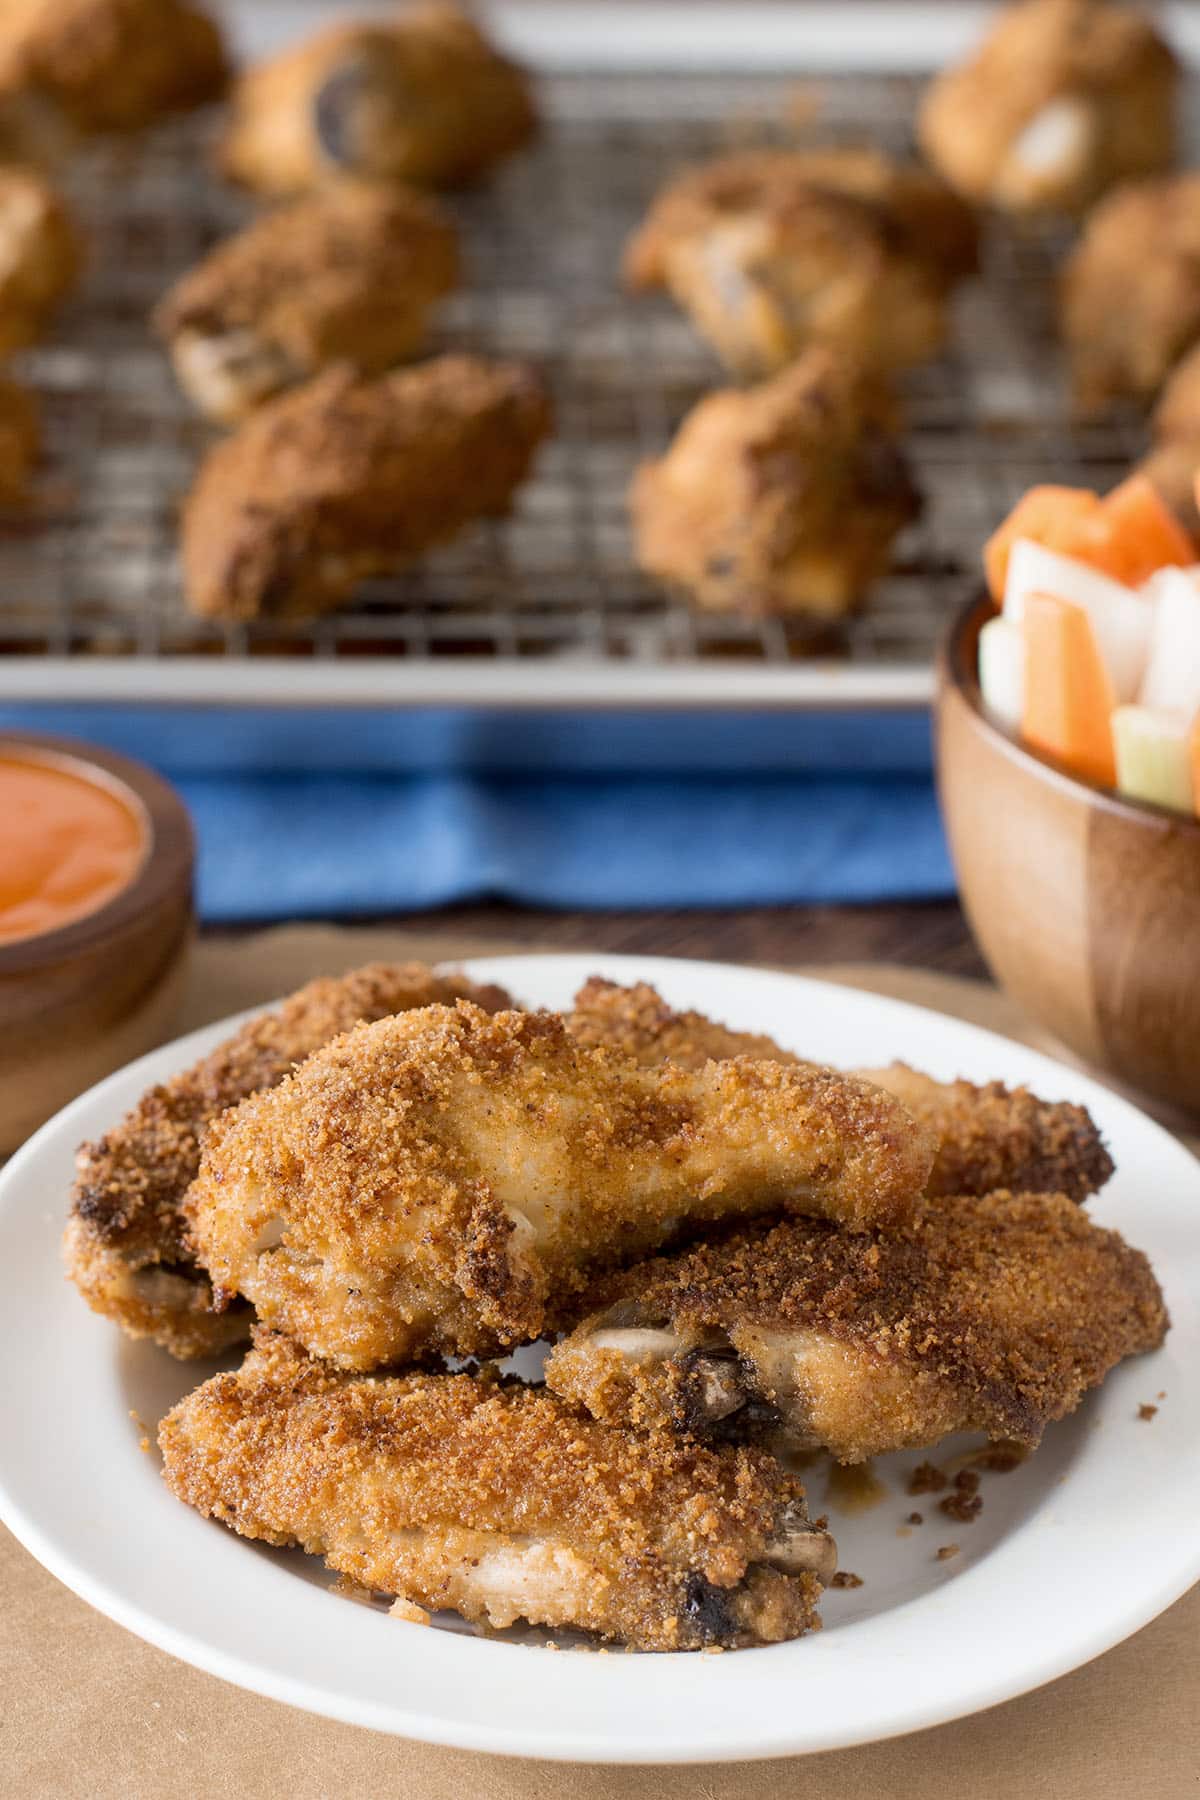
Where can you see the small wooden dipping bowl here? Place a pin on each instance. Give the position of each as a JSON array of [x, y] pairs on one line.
[[82, 999], [1086, 906]]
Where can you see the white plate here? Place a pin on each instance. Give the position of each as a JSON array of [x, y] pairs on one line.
[[1073, 1552]]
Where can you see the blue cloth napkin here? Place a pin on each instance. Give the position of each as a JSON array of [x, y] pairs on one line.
[[332, 813], [322, 846]]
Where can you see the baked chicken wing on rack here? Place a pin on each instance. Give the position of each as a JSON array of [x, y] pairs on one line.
[[987, 1137], [40, 255], [82, 66], [747, 511], [426, 99], [1142, 244], [348, 274], [1063, 99], [348, 476], [500, 1502], [126, 1243], [444, 1182], [771, 251], [991, 1313]]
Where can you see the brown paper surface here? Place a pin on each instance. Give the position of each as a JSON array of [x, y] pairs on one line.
[[88, 1712]]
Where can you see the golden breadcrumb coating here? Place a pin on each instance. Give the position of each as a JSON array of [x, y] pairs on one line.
[[1142, 244], [125, 1243], [40, 255], [427, 100], [771, 251], [988, 1137], [20, 441], [1063, 99], [501, 1502], [110, 65], [747, 510], [346, 477], [348, 274], [443, 1182], [993, 1314]]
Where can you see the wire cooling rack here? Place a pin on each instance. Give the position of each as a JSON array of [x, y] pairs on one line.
[[90, 600]]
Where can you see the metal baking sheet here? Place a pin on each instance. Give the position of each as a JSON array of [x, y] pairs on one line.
[[545, 610]]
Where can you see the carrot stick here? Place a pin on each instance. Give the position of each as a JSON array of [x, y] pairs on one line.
[[1135, 533], [1069, 697], [1051, 516]]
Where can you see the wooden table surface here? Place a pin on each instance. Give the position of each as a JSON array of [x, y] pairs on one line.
[[931, 935]]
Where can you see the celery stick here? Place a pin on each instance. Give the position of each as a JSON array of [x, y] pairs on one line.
[[1153, 760]]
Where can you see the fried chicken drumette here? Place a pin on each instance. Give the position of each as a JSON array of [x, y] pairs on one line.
[[346, 477], [105, 65], [992, 1313], [40, 255], [1130, 293], [348, 274], [1063, 99], [987, 1137], [426, 100], [778, 499], [20, 441], [126, 1245], [771, 251], [443, 1182], [501, 1502]]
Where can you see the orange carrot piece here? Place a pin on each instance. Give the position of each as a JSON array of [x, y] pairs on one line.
[[1135, 533], [1051, 516], [1069, 697]]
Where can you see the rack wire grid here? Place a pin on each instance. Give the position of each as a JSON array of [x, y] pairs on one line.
[[89, 581]]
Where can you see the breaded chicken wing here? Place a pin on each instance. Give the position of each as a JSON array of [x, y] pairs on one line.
[[988, 1137], [346, 477], [426, 100], [994, 1314], [443, 1183], [747, 511], [771, 251], [107, 65], [348, 274], [125, 1243], [1063, 99], [501, 1502], [40, 255], [20, 440], [1143, 245]]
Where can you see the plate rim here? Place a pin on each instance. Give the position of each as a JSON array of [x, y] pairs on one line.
[[448, 1730]]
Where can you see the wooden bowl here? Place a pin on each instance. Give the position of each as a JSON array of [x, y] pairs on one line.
[[79, 1001], [1086, 906]]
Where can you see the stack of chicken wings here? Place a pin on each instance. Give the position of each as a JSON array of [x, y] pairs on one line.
[[399, 1177]]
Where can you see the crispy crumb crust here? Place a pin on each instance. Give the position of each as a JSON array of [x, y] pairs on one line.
[[349, 273], [1108, 57], [427, 100], [995, 1314], [40, 255], [344, 477], [1142, 243], [444, 1181], [125, 1244], [412, 1485], [770, 251], [988, 1137], [111, 65], [747, 510]]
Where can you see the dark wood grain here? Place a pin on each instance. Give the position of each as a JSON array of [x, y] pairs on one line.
[[928, 936]]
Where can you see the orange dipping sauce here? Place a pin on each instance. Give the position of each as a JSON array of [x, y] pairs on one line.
[[67, 846]]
